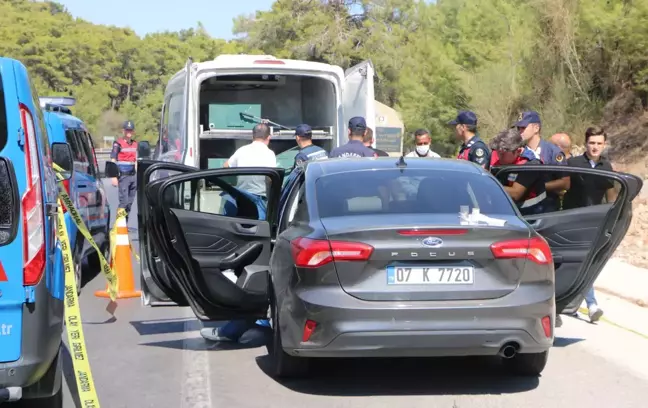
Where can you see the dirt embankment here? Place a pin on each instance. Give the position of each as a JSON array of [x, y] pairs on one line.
[[626, 123]]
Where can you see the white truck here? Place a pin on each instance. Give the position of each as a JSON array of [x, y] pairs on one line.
[[211, 107]]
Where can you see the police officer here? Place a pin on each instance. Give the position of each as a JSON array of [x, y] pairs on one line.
[[355, 147], [527, 189], [529, 125], [472, 148], [124, 153], [307, 150]]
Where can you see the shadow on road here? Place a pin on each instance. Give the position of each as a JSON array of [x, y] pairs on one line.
[[162, 326], [566, 341], [68, 374], [415, 376]]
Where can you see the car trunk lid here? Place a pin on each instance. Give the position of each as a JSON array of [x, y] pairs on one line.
[[439, 259]]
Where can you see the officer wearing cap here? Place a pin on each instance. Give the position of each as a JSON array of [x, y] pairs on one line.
[[355, 147], [472, 148], [307, 150], [529, 125], [124, 153]]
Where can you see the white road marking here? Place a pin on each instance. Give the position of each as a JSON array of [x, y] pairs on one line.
[[196, 388]]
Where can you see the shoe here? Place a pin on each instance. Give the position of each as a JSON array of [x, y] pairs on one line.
[[595, 313], [212, 334], [558, 321]]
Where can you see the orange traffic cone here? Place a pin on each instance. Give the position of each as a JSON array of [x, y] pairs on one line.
[[123, 264]]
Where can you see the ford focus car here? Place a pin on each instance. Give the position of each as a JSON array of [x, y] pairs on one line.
[[375, 257]]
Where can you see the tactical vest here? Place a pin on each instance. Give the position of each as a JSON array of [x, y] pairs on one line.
[[127, 153]]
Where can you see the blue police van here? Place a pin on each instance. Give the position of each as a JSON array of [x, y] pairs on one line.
[[31, 281], [72, 142]]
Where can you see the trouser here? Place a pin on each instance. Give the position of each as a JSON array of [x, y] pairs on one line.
[[127, 191], [590, 299], [234, 329]]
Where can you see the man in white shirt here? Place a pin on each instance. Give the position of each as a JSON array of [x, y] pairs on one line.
[[255, 154], [423, 141]]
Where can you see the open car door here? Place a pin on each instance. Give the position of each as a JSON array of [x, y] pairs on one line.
[[212, 236], [358, 96], [157, 287], [584, 233]]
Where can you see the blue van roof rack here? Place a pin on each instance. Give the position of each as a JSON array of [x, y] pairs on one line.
[[57, 103]]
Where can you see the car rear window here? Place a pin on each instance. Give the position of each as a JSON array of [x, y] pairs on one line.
[[392, 191], [3, 118]]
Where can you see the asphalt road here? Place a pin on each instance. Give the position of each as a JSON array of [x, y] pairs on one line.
[[156, 358]]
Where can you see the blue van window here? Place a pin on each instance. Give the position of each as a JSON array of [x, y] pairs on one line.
[[3, 118], [45, 145]]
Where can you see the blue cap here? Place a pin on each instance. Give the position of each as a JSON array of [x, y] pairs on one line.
[[129, 125], [464, 118], [528, 117], [357, 123], [301, 130]]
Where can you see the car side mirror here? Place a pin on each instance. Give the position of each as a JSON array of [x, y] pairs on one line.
[[111, 169], [143, 150], [62, 157]]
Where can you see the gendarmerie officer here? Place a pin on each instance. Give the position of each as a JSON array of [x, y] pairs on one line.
[[472, 148], [124, 153], [355, 147], [529, 125], [307, 150]]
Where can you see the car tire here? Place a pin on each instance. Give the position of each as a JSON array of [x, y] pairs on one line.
[[282, 364], [527, 365]]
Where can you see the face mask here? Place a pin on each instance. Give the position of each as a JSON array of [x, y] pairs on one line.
[[423, 150]]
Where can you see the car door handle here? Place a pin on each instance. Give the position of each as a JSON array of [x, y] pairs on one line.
[[246, 228], [535, 223], [82, 185]]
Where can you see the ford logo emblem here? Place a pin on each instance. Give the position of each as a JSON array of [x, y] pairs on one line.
[[432, 242]]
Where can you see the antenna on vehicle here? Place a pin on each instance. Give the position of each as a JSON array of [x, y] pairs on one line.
[[401, 163]]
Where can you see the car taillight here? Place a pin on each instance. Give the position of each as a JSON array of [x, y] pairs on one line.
[[535, 249], [313, 253], [32, 206]]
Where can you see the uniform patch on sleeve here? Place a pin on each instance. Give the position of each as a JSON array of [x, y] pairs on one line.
[[479, 152], [560, 157]]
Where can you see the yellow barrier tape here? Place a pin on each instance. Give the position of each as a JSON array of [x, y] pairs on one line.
[[73, 322], [108, 272]]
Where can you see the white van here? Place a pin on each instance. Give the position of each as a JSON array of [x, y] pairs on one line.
[[209, 111], [211, 107]]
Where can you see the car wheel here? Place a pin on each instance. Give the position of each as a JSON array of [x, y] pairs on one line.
[[283, 365], [55, 401], [527, 365]]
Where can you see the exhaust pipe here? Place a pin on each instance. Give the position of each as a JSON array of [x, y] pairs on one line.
[[509, 350]]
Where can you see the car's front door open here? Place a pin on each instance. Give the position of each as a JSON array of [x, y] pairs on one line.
[[158, 289], [214, 237], [586, 230]]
